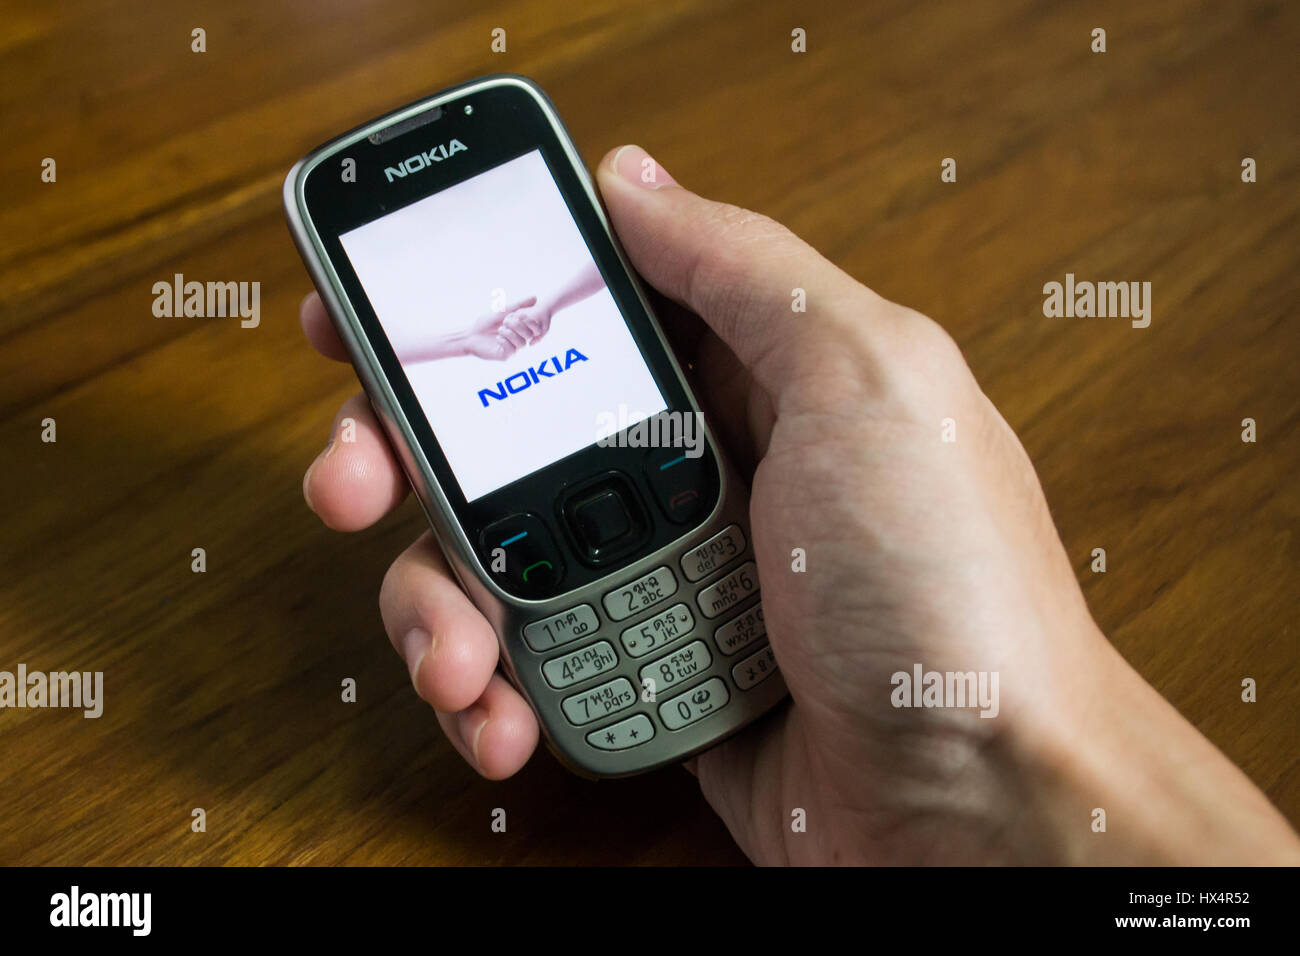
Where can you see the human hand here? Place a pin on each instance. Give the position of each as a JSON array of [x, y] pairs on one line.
[[530, 322], [918, 551], [491, 337]]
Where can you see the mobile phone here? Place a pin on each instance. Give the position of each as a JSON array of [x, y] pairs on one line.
[[547, 429]]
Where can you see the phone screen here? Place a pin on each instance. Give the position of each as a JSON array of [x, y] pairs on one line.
[[502, 323]]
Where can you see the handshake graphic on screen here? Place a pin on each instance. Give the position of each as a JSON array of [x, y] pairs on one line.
[[502, 332]]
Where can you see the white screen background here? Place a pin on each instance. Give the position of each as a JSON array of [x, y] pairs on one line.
[[432, 268]]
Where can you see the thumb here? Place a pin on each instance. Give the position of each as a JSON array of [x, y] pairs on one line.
[[527, 303], [738, 270]]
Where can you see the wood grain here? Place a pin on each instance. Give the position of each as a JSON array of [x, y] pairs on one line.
[[222, 689]]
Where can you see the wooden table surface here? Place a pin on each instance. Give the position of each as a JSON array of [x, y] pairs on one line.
[[222, 689]]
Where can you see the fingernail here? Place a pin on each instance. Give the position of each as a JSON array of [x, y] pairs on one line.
[[415, 648], [637, 166], [471, 723]]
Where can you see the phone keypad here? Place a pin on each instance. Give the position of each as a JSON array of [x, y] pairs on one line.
[[680, 666], [755, 668], [599, 702], [695, 704], [623, 735], [640, 595], [741, 631], [694, 675], [714, 554], [730, 591], [657, 632], [580, 665], [551, 632]]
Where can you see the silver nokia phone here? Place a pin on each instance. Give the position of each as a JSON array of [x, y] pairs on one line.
[[542, 420]]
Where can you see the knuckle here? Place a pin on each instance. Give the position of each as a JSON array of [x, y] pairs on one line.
[[929, 344], [899, 359], [744, 225], [726, 277], [744, 239], [929, 372]]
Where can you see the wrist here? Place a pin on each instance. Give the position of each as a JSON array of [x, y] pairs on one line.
[[455, 344], [1118, 777]]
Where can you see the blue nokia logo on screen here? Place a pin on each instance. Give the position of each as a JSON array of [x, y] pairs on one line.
[[533, 375]]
